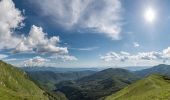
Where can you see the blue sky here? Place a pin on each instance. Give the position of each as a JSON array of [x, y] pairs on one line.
[[84, 33]]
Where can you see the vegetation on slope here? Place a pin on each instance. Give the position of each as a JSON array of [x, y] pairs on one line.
[[154, 87], [97, 85], [48, 79], [16, 85]]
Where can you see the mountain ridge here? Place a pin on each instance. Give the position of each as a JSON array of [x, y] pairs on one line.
[[153, 87], [161, 69], [15, 84]]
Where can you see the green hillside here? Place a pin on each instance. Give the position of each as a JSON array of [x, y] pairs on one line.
[[97, 85], [15, 85], [153, 87]]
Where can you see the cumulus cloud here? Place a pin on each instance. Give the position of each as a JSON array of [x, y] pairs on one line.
[[164, 55], [136, 44], [37, 41], [149, 55], [166, 52], [10, 19], [36, 61], [98, 16], [113, 56]]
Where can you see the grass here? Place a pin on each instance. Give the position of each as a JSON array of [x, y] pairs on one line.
[[16, 85], [154, 87]]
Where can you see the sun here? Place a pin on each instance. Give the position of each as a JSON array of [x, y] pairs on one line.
[[150, 15]]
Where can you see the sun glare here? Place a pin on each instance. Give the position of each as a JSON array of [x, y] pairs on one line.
[[150, 15]]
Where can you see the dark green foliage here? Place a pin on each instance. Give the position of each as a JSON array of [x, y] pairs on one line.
[[48, 79], [97, 85]]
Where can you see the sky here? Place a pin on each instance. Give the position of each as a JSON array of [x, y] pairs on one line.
[[85, 33]]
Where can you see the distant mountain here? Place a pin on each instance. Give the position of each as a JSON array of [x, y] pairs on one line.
[[153, 87], [97, 85], [16, 85], [109, 73], [48, 79], [161, 69], [59, 70], [135, 68]]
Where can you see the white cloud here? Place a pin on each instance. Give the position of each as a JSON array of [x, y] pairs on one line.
[[114, 56], [37, 41], [64, 57], [98, 16], [3, 56], [10, 19], [124, 53], [164, 55], [166, 52], [149, 55], [136, 44], [36, 61]]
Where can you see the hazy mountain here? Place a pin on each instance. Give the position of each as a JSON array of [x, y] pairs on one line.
[[60, 70], [48, 79], [154, 87], [159, 69], [109, 73], [97, 85], [135, 68]]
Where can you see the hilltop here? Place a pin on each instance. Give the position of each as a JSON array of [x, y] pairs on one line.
[[153, 87]]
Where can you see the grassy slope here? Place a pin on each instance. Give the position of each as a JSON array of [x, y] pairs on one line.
[[154, 87], [15, 85]]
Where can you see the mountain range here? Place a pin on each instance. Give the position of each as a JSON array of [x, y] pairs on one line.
[[84, 84], [48, 79], [58, 70], [161, 69], [97, 85]]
